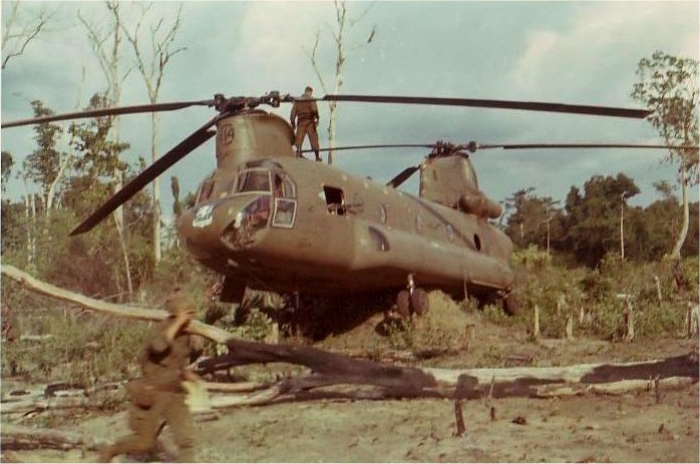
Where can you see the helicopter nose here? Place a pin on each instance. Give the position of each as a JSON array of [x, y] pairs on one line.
[[232, 222]]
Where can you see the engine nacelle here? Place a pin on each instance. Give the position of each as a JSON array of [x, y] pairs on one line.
[[478, 204]]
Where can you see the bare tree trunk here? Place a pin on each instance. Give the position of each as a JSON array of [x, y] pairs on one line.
[[30, 224], [157, 253], [152, 74], [676, 253], [108, 57], [341, 21]]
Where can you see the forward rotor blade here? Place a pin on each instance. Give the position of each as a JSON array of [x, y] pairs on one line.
[[109, 112], [182, 149], [367, 147], [403, 176], [503, 104]]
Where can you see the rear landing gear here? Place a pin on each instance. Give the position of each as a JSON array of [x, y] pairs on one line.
[[419, 301], [412, 300]]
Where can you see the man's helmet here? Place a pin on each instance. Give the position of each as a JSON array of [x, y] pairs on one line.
[[179, 302]]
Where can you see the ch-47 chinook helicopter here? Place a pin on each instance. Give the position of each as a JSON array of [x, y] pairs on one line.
[[266, 219]]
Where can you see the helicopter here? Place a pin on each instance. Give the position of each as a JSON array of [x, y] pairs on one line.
[[266, 219]]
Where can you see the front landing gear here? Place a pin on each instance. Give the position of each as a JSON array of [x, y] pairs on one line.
[[412, 300]]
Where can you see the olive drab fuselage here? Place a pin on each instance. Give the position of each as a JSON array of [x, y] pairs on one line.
[[271, 221]]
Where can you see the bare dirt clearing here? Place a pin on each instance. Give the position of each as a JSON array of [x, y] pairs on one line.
[[631, 427]]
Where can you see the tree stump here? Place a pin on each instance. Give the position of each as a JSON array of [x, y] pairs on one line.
[[628, 322]]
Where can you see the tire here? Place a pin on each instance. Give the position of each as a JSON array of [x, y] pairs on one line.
[[510, 304], [403, 306], [419, 301]]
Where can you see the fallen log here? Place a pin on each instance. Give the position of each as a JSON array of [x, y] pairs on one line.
[[31, 405], [334, 369], [391, 381], [133, 312], [20, 437]]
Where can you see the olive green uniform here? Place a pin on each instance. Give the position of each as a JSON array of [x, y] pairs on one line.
[[158, 397], [305, 117]]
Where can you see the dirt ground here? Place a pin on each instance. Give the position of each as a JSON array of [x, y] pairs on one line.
[[627, 428]]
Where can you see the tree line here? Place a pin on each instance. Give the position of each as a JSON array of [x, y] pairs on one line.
[[596, 220]]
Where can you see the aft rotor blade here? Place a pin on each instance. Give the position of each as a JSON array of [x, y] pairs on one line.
[[403, 176], [526, 146], [109, 112], [502, 104], [182, 149]]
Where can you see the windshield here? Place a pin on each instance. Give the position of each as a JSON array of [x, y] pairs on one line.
[[253, 180]]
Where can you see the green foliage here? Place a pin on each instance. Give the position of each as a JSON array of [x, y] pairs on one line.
[[257, 325], [6, 164], [43, 165], [668, 86], [534, 221], [84, 348], [593, 217]]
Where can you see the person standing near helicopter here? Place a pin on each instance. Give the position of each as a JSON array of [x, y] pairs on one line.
[[304, 119]]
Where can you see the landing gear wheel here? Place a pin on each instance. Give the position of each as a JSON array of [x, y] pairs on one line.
[[510, 304], [419, 301], [403, 306]]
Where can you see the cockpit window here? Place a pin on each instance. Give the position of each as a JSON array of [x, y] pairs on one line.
[[253, 180], [205, 191], [283, 186], [222, 188]]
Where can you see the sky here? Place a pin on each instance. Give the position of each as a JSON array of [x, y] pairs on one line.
[[565, 52]]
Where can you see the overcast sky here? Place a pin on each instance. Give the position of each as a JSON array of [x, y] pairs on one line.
[[567, 52]]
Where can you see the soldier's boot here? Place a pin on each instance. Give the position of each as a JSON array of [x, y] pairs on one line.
[[318, 157]]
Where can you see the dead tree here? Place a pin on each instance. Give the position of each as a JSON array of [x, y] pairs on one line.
[[338, 32], [106, 45], [152, 70], [18, 33]]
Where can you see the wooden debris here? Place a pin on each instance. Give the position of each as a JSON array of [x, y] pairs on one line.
[[459, 419], [536, 324], [21, 437], [628, 322], [657, 389], [692, 322], [569, 330], [145, 314], [379, 380]]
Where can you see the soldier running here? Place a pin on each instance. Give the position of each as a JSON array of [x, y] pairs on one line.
[[158, 397]]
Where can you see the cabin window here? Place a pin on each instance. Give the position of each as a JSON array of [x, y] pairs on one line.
[[334, 200], [285, 213], [477, 242], [379, 241], [254, 180]]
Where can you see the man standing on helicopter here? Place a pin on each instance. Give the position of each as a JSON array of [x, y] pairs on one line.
[[304, 119]]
